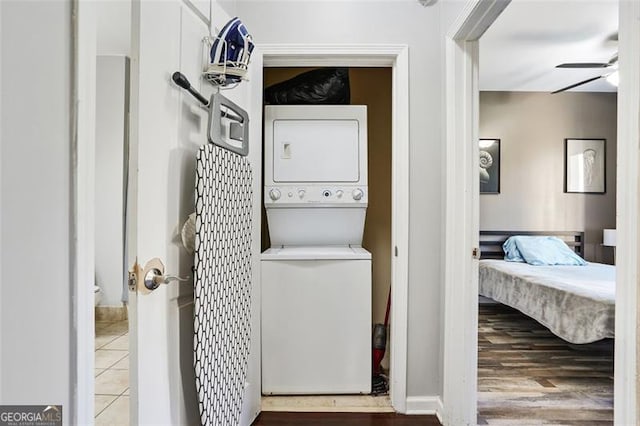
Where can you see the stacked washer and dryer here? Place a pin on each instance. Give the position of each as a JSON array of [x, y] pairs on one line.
[[316, 277]]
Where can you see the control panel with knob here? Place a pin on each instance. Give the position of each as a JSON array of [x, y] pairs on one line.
[[274, 194], [308, 195]]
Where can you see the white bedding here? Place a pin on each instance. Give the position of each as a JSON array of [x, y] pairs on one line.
[[577, 303]]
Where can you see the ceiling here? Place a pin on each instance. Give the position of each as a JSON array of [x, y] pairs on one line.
[[520, 50]]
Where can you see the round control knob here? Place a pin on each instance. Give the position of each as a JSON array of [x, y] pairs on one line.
[[301, 193], [357, 194], [339, 193], [274, 194]]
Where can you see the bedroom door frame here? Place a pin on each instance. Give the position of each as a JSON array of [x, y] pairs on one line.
[[462, 212], [391, 56], [626, 405]]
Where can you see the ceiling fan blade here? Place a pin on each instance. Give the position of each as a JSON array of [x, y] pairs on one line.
[[610, 63], [589, 80], [586, 65]]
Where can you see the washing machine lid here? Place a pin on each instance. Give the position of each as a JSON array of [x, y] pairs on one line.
[[316, 253]]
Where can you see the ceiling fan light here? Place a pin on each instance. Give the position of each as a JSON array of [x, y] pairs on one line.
[[613, 78]]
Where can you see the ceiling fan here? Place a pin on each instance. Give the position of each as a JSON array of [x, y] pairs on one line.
[[611, 77]]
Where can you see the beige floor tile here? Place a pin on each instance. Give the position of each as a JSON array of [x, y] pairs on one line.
[[119, 328], [126, 392], [102, 401], [120, 343], [99, 371], [116, 414], [105, 358], [112, 382], [102, 340], [123, 364]]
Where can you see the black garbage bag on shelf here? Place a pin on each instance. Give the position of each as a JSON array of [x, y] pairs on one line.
[[321, 86]]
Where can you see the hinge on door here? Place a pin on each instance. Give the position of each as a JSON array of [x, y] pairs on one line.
[[395, 251], [476, 253]]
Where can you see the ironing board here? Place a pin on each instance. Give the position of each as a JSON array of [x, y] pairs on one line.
[[222, 281]]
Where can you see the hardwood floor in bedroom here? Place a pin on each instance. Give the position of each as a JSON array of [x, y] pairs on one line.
[[528, 376]]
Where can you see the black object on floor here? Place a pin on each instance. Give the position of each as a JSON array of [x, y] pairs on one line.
[[379, 385]]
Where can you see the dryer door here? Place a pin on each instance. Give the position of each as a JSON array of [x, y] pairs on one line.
[[316, 151]]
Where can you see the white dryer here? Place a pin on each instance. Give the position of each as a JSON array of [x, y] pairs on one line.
[[316, 277]]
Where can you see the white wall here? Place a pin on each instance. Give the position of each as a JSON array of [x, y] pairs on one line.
[[113, 27], [35, 278], [398, 22], [109, 173]]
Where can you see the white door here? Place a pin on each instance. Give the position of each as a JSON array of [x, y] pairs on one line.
[[167, 127]]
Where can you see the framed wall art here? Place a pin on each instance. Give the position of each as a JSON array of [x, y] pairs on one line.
[[489, 166], [585, 166]]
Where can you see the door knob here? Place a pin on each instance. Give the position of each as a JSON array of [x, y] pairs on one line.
[[154, 277]]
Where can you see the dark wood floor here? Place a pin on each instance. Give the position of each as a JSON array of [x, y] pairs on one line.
[[346, 419], [528, 376]]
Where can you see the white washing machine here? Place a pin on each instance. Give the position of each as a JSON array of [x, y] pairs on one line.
[[316, 277]]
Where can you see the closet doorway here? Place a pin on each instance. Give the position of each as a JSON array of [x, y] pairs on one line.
[[395, 58], [371, 87]]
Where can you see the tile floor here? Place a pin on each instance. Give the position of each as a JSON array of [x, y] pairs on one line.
[[112, 373]]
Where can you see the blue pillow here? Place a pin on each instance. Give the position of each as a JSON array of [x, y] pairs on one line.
[[511, 252], [546, 251]]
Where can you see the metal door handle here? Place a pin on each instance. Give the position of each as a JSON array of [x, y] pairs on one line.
[[154, 278], [149, 278]]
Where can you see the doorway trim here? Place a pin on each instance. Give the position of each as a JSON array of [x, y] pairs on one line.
[[628, 207], [461, 232], [364, 55], [83, 112], [462, 206]]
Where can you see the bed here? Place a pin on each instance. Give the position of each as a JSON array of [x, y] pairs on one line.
[[577, 303]]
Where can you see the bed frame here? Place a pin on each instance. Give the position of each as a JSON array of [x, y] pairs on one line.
[[491, 241]]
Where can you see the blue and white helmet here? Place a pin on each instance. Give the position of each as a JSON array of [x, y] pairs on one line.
[[231, 51]]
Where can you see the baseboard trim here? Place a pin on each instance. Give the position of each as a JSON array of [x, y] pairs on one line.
[[425, 405], [111, 313], [440, 411]]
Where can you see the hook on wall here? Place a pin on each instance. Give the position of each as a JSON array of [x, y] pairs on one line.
[[182, 81]]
